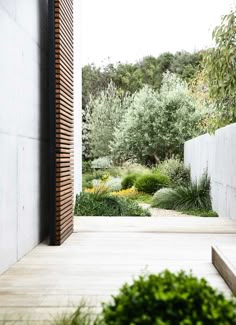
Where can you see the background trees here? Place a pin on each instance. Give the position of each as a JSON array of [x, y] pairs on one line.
[[131, 77], [104, 104], [103, 115], [220, 70]]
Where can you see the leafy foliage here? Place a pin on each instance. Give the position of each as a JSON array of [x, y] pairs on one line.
[[150, 183], [156, 125], [95, 79], [100, 204], [87, 180], [186, 65], [101, 163], [86, 166], [176, 171], [127, 79], [131, 77], [111, 183], [128, 181], [131, 167], [194, 196], [220, 69], [103, 115], [168, 298]]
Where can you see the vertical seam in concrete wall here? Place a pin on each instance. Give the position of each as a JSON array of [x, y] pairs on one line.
[[17, 199]]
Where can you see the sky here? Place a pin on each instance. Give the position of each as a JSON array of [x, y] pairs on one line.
[[128, 30]]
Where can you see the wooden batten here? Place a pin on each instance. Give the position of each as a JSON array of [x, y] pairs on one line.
[[62, 119]]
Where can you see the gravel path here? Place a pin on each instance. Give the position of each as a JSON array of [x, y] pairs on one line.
[[155, 212]]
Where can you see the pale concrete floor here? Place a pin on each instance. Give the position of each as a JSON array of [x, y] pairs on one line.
[[101, 255]]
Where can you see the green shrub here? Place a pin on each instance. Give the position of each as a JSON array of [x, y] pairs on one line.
[[99, 174], [101, 163], [94, 204], [169, 299], [176, 171], [134, 168], [112, 183], [192, 197], [86, 166], [114, 171], [150, 183], [87, 180], [128, 181], [143, 198]]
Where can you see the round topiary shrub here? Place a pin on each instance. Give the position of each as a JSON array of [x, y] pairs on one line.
[[128, 181], [150, 183], [168, 299]]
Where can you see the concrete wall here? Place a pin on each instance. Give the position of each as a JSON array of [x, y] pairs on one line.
[[217, 154], [24, 180]]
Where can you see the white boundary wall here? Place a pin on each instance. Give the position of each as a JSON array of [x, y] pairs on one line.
[[217, 154]]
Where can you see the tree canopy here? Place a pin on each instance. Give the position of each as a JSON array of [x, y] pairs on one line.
[[220, 70], [156, 124], [131, 77], [104, 113]]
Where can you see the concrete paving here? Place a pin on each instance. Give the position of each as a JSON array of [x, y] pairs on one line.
[[101, 255]]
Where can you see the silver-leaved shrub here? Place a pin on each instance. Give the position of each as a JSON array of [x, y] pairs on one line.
[[156, 124]]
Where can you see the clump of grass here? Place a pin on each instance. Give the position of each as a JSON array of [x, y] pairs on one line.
[[195, 196], [200, 213], [143, 198], [82, 316]]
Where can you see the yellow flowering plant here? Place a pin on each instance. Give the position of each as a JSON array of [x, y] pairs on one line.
[[129, 192], [99, 188]]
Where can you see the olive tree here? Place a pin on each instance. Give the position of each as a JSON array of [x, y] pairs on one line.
[[156, 124], [104, 113]]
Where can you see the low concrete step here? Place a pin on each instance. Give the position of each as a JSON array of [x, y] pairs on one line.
[[224, 260]]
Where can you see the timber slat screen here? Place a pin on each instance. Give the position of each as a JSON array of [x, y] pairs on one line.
[[62, 119]]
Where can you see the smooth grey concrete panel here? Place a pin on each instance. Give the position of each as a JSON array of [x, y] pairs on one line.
[[28, 195], [216, 154], [24, 128], [23, 69], [27, 16], [9, 6], [8, 201], [10, 63]]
